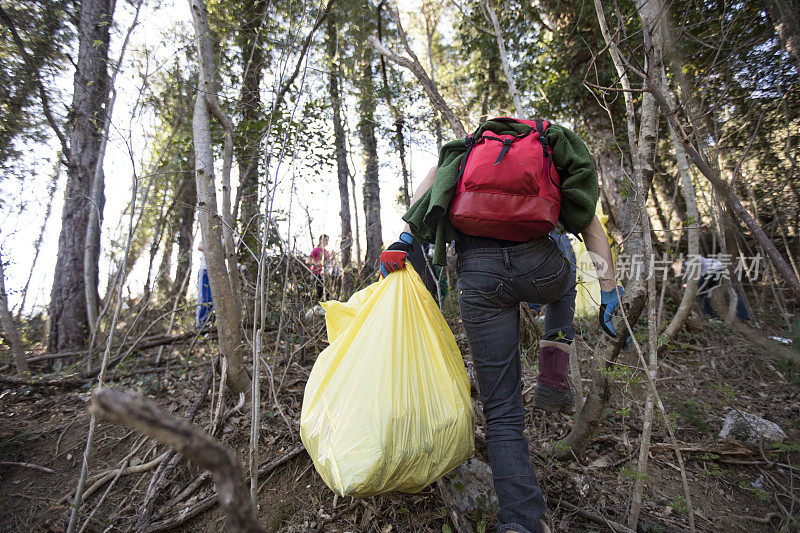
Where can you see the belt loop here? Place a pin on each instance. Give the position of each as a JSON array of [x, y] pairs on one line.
[[506, 259]]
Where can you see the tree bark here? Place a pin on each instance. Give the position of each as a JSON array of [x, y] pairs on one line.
[[635, 226], [184, 220], [608, 162], [91, 254], [7, 322], [785, 16], [685, 306], [68, 319], [369, 142], [249, 153], [342, 170], [225, 301]]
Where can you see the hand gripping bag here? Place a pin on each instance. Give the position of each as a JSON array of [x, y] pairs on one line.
[[387, 405]]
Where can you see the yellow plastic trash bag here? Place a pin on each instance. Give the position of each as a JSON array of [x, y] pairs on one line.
[[387, 404]]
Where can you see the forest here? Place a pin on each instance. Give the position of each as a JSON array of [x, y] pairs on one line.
[[189, 187]]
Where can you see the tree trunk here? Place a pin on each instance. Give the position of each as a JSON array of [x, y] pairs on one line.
[[249, 132], [163, 281], [609, 167], [785, 16], [7, 322], [401, 151], [369, 142], [635, 226], [184, 221], [226, 303], [342, 170], [356, 229], [685, 306], [68, 318]]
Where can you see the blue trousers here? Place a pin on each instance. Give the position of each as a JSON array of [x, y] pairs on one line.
[[492, 281], [204, 303]]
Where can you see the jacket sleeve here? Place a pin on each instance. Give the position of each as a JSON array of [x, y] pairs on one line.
[[579, 188]]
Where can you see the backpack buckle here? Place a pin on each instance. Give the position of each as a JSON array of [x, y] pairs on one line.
[[504, 150]]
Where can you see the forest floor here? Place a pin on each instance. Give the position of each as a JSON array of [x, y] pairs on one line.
[[701, 379]]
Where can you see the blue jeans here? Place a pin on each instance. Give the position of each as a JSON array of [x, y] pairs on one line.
[[492, 281], [559, 315], [204, 303]]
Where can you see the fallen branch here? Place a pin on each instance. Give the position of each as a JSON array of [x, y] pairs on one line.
[[616, 526], [142, 414], [664, 447], [101, 479], [186, 514], [28, 465], [158, 341], [77, 380], [162, 474]]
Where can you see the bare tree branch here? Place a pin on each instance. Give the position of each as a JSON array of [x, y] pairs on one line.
[[35, 73], [144, 415]]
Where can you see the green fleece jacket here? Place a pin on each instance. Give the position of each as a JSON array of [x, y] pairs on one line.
[[428, 217]]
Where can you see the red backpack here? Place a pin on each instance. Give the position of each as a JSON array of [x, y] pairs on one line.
[[507, 185]]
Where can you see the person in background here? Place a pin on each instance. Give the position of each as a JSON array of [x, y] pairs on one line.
[[709, 272], [205, 304], [320, 259]]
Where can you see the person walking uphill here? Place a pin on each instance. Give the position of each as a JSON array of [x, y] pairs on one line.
[[320, 259], [498, 194]]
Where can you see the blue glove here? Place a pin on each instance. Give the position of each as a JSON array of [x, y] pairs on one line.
[[536, 308], [394, 257], [609, 301]]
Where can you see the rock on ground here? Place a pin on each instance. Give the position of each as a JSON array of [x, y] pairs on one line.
[[750, 429], [471, 487]]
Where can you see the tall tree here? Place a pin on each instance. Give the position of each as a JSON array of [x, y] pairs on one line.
[[222, 278], [250, 40], [184, 222], [342, 169], [369, 143], [68, 318], [362, 25]]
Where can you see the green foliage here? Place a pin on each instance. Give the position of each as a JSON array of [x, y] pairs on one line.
[[679, 504], [760, 493], [696, 414], [44, 29], [714, 470], [787, 447], [632, 474], [282, 512]]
